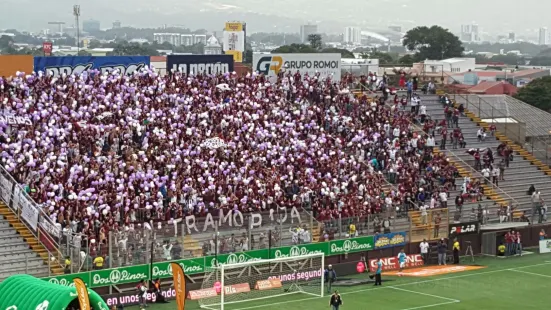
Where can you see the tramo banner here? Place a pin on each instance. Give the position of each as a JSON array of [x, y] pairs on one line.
[[68, 65], [327, 65], [391, 263]]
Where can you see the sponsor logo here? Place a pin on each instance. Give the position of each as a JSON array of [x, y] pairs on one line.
[[160, 273], [78, 69], [129, 299], [391, 263], [270, 64], [464, 229], [295, 251], [303, 275], [202, 68], [233, 259], [350, 246], [434, 270], [390, 240], [269, 284], [116, 276], [204, 293], [237, 288], [62, 282]]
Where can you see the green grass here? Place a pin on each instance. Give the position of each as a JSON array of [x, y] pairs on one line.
[[512, 283]]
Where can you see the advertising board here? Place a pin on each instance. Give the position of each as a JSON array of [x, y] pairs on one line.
[[77, 64], [327, 65], [390, 240], [199, 64], [199, 265], [10, 64], [545, 246], [391, 263], [467, 228], [234, 41]]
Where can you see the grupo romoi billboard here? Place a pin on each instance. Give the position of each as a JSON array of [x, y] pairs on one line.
[[199, 64], [77, 64], [11, 64], [327, 65]]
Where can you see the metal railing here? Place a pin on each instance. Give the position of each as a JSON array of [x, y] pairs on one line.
[[526, 138], [31, 215]]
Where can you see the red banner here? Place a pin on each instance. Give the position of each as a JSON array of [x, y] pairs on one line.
[[263, 285], [47, 47], [391, 263], [204, 293], [237, 288]]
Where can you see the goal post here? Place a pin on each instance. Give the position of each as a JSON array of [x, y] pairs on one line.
[[263, 279]]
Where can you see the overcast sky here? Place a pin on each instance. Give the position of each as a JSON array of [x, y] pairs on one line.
[[493, 16]]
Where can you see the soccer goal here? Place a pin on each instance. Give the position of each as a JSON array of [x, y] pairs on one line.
[[262, 280]]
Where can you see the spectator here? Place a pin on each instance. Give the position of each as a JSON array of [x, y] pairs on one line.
[[424, 247], [442, 249]]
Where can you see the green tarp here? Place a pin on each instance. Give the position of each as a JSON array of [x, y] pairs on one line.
[[24, 292]]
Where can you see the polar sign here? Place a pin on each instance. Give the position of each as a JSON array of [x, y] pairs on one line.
[[58, 66], [326, 65], [200, 64]]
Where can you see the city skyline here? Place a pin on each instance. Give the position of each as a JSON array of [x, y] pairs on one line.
[[264, 17]]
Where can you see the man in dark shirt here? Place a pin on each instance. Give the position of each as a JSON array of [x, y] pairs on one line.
[[442, 248], [336, 301]]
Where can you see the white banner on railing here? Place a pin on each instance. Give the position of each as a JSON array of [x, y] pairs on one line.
[[29, 212], [5, 188], [16, 193], [51, 228]]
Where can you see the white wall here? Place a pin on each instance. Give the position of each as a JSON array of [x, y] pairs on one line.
[[159, 67]]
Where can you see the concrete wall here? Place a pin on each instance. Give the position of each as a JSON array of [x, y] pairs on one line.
[[513, 131]]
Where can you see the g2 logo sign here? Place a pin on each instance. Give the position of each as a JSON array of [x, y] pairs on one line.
[[269, 63]]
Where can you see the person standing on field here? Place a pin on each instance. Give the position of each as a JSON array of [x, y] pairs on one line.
[[456, 251], [378, 280], [336, 301], [442, 248], [402, 260], [424, 246]]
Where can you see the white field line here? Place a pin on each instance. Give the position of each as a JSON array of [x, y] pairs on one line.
[[432, 306], [399, 285], [425, 294], [531, 273]]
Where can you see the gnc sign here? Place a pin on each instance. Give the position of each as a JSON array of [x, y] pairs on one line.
[[391, 263]]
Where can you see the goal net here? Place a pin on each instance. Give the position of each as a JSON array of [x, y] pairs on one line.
[[256, 281]]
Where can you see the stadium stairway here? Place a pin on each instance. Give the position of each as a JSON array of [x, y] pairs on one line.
[[20, 252], [523, 171]]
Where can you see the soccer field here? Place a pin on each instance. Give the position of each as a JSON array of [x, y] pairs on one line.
[[512, 283]]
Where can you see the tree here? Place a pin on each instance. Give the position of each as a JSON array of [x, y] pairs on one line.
[[315, 41], [5, 41], [537, 93], [295, 48], [344, 53], [540, 61], [432, 43], [406, 60], [84, 53]]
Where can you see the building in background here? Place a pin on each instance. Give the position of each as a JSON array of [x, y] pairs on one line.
[[543, 36], [470, 33], [306, 30], [213, 47], [200, 39], [117, 24], [91, 25], [172, 38], [352, 35], [187, 39], [234, 40]]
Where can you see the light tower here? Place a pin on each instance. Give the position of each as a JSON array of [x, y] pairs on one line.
[[76, 13]]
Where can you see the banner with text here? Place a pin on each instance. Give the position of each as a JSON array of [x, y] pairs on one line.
[[133, 274], [468, 228], [326, 65], [390, 240], [199, 64], [392, 263], [77, 64]]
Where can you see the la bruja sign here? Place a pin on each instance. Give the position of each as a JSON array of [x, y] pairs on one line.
[[235, 218]]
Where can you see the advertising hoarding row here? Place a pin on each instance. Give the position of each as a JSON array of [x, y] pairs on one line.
[[199, 64], [77, 64], [326, 65]]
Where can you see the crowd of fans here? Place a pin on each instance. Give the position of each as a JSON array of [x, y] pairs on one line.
[[105, 152]]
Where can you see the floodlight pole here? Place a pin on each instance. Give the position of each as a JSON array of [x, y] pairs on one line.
[[76, 13]]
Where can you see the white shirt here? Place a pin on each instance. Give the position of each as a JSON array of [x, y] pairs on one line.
[[423, 210], [423, 110], [166, 251], [495, 172], [486, 172], [443, 197], [430, 141], [424, 247]]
